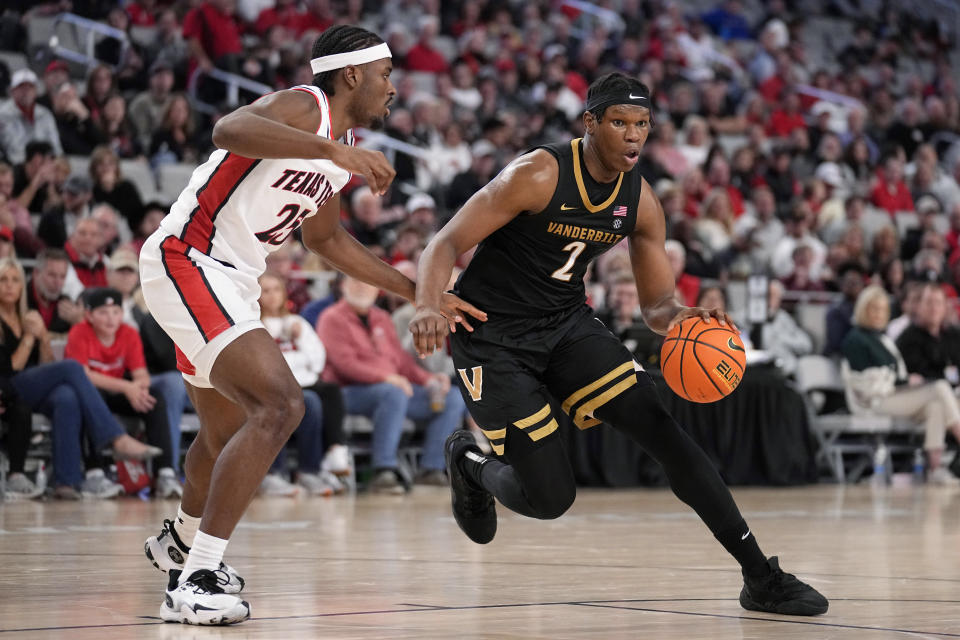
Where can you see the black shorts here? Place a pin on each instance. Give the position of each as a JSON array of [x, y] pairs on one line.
[[508, 369]]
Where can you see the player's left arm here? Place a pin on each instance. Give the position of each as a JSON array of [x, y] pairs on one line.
[[652, 271], [323, 234]]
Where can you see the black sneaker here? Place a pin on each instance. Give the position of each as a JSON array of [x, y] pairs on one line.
[[473, 507], [779, 592]]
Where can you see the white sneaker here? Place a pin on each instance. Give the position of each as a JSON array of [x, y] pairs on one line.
[[333, 481], [167, 485], [941, 476], [20, 487], [99, 487], [314, 484], [167, 552], [275, 485], [201, 600], [337, 460]]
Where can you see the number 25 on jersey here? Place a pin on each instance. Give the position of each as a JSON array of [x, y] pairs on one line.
[[290, 218]]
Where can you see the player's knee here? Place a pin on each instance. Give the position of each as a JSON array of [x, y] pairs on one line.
[[281, 412], [554, 504]]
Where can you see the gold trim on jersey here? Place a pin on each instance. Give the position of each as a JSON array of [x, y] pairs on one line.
[[624, 377], [529, 421], [599, 382], [539, 425], [586, 410], [497, 438], [544, 431], [578, 175]]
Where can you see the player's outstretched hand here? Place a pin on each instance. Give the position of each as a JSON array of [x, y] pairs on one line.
[[704, 314], [372, 165], [455, 310]]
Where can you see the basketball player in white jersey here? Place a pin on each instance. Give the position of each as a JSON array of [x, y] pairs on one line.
[[279, 165]]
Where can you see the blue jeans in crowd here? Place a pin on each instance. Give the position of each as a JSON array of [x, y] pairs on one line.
[[387, 406], [309, 435], [169, 386], [63, 392]]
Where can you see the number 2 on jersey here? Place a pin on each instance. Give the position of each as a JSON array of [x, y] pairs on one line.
[[575, 249]]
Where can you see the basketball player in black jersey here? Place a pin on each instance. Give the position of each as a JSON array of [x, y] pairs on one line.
[[539, 223]]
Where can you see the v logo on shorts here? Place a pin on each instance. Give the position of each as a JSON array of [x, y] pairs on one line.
[[475, 386]]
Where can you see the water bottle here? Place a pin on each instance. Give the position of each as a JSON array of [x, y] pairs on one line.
[[919, 465], [438, 397], [41, 480], [880, 471]]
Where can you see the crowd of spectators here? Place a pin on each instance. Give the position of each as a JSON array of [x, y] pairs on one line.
[[792, 139]]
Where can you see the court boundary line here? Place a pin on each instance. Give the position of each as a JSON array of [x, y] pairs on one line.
[[506, 563]]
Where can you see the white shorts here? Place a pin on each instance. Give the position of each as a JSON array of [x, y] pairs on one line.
[[202, 304]]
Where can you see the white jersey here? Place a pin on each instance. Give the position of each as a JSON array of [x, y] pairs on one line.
[[237, 210]]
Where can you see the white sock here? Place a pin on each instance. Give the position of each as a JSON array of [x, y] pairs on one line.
[[206, 553], [186, 526]]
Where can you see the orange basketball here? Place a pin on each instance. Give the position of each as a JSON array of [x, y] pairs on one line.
[[702, 361]]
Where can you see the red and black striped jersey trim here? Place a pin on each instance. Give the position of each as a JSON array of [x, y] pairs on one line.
[[200, 228], [194, 289]]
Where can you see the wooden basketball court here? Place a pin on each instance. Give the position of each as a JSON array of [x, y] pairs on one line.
[[620, 564]]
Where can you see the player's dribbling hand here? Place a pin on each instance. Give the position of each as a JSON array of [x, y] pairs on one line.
[[372, 165], [707, 315]]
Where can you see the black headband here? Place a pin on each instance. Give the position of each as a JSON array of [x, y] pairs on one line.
[[597, 103]]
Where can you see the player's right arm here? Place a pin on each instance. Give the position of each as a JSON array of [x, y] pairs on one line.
[[652, 271], [284, 125], [526, 184]]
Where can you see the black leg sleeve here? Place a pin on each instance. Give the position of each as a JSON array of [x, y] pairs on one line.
[[639, 413], [538, 482]]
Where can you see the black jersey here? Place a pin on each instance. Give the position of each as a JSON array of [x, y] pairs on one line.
[[534, 265]]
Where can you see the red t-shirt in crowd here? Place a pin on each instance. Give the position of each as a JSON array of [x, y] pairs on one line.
[[290, 17], [782, 124], [310, 21], [140, 16], [689, 288], [125, 354], [898, 199], [218, 32], [421, 57]]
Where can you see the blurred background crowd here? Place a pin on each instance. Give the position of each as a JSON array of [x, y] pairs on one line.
[[802, 150]]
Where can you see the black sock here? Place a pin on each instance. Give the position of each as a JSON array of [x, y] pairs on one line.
[[739, 542], [499, 479], [472, 464]]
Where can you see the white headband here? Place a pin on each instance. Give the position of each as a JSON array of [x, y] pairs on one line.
[[341, 60]]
